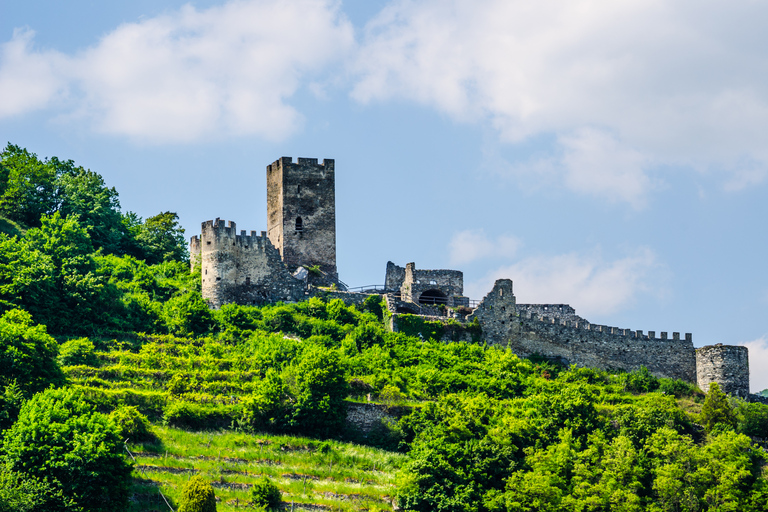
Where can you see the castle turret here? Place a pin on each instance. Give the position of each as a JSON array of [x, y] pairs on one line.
[[728, 365], [241, 268]]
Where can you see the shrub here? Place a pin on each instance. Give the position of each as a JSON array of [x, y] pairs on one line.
[[319, 392], [717, 411], [27, 353], [753, 419], [641, 381], [196, 416], [59, 438], [197, 496], [265, 493], [77, 352], [676, 387], [131, 424], [374, 304]]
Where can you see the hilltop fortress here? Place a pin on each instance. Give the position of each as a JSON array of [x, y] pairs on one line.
[[296, 259]]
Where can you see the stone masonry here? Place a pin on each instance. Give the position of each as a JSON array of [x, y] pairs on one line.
[[726, 365], [241, 268], [426, 286], [301, 213]]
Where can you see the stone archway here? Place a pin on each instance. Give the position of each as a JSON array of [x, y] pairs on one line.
[[432, 297]]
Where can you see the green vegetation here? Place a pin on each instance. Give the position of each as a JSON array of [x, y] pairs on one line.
[[141, 389]]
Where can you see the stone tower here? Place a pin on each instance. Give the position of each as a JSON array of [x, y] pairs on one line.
[[240, 268], [301, 213], [728, 365]]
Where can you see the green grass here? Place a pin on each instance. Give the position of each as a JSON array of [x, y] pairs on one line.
[[348, 477]]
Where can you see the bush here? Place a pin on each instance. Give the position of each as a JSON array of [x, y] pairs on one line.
[[752, 419], [717, 411], [191, 415], [59, 438], [641, 381], [131, 424], [27, 353], [265, 493], [77, 352], [676, 387], [197, 496]]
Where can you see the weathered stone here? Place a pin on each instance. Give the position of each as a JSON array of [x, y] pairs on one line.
[[728, 365], [241, 269], [425, 286], [301, 213]]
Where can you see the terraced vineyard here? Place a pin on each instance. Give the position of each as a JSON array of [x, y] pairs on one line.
[[311, 475]]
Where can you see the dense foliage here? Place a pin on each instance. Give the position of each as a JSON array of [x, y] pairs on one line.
[[484, 430], [197, 496]]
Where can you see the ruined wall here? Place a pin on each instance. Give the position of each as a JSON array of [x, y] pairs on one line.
[[497, 313], [301, 212], [394, 277], [449, 284], [241, 268], [557, 311], [728, 365]]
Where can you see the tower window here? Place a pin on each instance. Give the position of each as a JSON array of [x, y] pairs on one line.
[[298, 190], [248, 281], [299, 224]]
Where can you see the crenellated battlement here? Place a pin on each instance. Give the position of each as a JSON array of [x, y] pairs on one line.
[[603, 329], [328, 164], [221, 234]]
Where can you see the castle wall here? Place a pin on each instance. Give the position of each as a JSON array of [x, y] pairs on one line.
[[394, 277], [301, 212], [576, 341], [728, 365], [241, 268]]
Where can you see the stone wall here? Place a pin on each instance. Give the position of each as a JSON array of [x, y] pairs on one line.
[[301, 213], [241, 268], [349, 298], [447, 285], [727, 365], [567, 338], [366, 417]]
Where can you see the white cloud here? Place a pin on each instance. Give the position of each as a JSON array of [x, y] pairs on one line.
[[467, 246], [667, 84], [179, 77], [585, 281], [758, 364], [28, 80]]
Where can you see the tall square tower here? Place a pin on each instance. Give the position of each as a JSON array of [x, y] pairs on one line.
[[301, 212]]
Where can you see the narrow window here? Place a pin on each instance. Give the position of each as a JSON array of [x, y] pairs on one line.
[[248, 281], [299, 224], [298, 190]]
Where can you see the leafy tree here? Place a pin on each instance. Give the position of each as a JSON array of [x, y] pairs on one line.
[[188, 314], [752, 419], [59, 438], [717, 410], [197, 496], [27, 354], [84, 194], [320, 387], [28, 187], [265, 494], [159, 238]]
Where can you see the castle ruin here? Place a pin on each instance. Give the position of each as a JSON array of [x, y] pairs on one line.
[[296, 259]]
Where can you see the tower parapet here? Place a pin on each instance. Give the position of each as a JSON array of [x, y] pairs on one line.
[[728, 365]]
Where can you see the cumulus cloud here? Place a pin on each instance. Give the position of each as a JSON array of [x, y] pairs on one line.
[[28, 80], [758, 364], [585, 281], [622, 86], [188, 74], [468, 245]]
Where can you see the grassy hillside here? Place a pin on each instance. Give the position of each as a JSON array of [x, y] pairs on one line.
[[311, 475]]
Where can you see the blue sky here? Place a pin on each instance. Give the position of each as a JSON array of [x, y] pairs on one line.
[[610, 155]]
